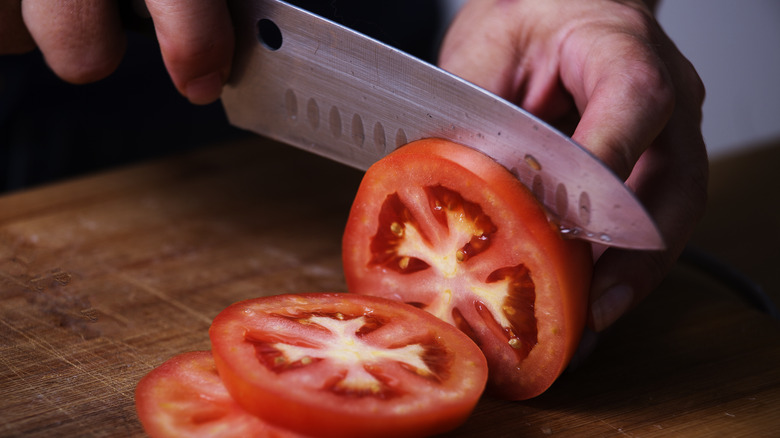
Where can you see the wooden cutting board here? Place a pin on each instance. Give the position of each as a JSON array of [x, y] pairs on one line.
[[103, 278]]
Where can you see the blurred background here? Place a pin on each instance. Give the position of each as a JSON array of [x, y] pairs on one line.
[[735, 46]]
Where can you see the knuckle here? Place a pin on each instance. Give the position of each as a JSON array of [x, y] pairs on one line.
[[692, 83]]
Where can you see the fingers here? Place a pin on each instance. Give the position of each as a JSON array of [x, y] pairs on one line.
[[81, 40], [670, 179], [14, 37], [622, 278], [621, 87], [196, 40], [478, 48]]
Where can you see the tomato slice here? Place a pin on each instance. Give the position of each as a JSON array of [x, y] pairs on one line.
[[184, 397], [444, 227], [346, 365]]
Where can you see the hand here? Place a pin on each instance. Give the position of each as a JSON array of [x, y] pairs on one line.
[[606, 69], [83, 40]]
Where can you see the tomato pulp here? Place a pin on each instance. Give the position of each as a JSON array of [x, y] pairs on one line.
[[447, 229], [347, 365], [184, 397]]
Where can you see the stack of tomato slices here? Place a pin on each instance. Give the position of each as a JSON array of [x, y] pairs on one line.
[[454, 269], [321, 364]]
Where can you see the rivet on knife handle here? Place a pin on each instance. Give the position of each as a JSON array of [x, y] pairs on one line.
[[319, 86]]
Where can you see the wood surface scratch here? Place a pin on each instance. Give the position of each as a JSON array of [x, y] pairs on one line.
[[165, 298]]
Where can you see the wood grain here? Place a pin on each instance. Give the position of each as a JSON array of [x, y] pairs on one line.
[[105, 277]]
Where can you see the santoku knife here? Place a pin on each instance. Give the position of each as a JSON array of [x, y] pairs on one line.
[[309, 82]]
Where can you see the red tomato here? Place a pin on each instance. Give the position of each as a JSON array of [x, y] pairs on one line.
[[445, 228], [346, 365], [184, 397]]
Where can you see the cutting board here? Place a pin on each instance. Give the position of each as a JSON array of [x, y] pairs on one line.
[[105, 277]]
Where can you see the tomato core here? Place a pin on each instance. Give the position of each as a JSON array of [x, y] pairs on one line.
[[401, 245], [359, 373]]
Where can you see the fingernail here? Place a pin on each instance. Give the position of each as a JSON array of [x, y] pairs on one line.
[[205, 89], [610, 306]]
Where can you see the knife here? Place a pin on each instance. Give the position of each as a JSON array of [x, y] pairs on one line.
[[314, 84]]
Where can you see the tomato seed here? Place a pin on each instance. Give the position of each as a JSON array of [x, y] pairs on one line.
[[397, 229]]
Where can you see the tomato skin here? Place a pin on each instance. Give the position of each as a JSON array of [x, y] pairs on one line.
[[184, 397], [516, 239], [301, 392]]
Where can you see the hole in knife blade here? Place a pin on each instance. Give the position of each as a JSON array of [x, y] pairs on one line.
[[561, 200], [379, 137], [269, 34], [334, 117], [584, 208], [313, 113], [400, 138], [358, 133], [291, 104], [537, 187]]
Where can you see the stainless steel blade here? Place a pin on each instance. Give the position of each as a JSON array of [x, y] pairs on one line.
[[314, 84]]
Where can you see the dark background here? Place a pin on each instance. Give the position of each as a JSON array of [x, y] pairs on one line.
[[50, 130]]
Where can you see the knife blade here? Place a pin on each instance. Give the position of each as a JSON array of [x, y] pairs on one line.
[[314, 84]]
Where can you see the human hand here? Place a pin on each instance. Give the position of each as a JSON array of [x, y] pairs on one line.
[[83, 41], [606, 73]]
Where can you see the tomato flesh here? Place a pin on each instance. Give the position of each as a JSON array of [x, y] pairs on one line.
[[445, 228], [185, 397], [347, 365]]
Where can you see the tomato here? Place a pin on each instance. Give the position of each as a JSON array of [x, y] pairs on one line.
[[184, 397], [445, 228], [346, 365]]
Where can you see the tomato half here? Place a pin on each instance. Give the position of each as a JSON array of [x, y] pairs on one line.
[[347, 365], [445, 228], [184, 397]]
